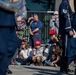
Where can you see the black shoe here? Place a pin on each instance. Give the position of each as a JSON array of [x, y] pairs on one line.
[[9, 71], [35, 64], [64, 71], [40, 64], [75, 73], [70, 70]]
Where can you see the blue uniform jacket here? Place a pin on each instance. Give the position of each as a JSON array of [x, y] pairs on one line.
[[64, 25], [7, 18], [74, 21]]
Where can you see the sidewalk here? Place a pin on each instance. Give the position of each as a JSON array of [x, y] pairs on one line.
[[36, 70]]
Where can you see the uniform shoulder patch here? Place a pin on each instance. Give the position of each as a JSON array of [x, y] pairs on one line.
[[65, 11]]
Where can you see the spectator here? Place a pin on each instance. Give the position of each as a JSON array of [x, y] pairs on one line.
[[35, 30], [54, 56], [37, 53], [21, 23], [25, 57], [54, 39], [54, 22]]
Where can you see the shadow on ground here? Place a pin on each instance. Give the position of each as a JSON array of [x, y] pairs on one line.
[[41, 71]]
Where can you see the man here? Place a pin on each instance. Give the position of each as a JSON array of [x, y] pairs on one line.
[[8, 39], [35, 30], [54, 22], [66, 30], [74, 26]]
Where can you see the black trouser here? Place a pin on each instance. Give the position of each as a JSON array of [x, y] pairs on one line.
[[64, 64], [24, 61], [75, 65]]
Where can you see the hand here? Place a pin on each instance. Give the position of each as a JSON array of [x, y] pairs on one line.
[[71, 33], [52, 64], [31, 33], [34, 52], [56, 39], [30, 18]]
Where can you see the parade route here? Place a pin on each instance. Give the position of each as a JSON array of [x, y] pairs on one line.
[[36, 70]]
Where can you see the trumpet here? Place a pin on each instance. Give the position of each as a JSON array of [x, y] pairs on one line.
[[12, 5]]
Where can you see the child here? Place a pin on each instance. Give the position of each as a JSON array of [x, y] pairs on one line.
[[54, 40], [53, 37], [37, 53], [24, 54], [54, 56]]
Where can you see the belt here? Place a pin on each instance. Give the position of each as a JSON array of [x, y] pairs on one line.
[[37, 33]]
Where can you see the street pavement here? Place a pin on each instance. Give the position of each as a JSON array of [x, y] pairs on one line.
[[36, 70]]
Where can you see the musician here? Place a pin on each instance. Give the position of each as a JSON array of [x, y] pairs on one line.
[[66, 31], [74, 27], [8, 38]]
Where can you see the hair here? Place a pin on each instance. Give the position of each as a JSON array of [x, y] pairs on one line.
[[57, 50], [35, 14], [26, 44]]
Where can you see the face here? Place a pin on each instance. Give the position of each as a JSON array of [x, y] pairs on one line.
[[23, 45], [19, 18], [53, 49], [35, 17], [38, 46], [52, 37], [56, 16]]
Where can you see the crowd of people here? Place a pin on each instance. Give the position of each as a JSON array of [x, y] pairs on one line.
[[59, 50], [39, 55], [34, 53], [54, 52]]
